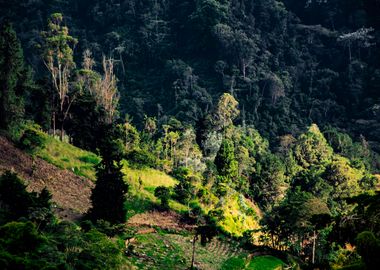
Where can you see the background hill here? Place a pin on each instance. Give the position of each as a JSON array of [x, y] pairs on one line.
[[288, 63]]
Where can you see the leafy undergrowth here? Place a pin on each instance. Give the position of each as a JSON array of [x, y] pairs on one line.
[[234, 213], [69, 157], [238, 214]]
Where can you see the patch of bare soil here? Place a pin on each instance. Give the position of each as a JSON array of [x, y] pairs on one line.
[[167, 220], [70, 192]]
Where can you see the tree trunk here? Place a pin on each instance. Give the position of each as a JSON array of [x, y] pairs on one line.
[[61, 135], [314, 240], [193, 255], [53, 124]]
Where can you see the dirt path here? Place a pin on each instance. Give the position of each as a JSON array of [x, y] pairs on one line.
[[168, 220], [71, 193]]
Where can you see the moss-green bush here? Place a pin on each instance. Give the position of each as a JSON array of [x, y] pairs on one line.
[[32, 139]]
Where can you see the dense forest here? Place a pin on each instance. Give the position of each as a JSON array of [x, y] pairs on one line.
[[250, 125]]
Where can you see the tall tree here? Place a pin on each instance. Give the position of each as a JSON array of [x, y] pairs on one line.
[[108, 195], [103, 88], [225, 112], [11, 77], [58, 58], [226, 163]]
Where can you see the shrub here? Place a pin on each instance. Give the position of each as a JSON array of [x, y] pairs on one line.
[[163, 193], [368, 246], [90, 159], [32, 139], [139, 158]]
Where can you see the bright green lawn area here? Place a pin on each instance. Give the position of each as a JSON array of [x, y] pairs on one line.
[[150, 178], [69, 157], [141, 197], [265, 263]]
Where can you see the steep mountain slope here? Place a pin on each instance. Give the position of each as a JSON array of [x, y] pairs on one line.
[[71, 193]]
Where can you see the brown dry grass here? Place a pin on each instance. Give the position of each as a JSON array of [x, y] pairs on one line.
[[70, 192]]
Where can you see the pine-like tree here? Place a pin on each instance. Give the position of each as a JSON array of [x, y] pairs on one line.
[[226, 163], [11, 77], [108, 195]]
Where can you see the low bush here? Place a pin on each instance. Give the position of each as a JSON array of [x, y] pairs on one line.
[[32, 139]]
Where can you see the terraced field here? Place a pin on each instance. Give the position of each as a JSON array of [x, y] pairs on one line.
[[174, 251]]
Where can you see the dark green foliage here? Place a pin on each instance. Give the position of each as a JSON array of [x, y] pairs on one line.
[[85, 122], [14, 196], [38, 104], [369, 248], [226, 163], [367, 210], [18, 203], [108, 195], [139, 158], [32, 139], [19, 237], [35, 242], [358, 152], [280, 59], [63, 246], [163, 193], [184, 189], [268, 183], [11, 77], [298, 217]]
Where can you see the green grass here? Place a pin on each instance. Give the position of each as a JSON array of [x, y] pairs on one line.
[[265, 263], [141, 192], [142, 184], [150, 178], [69, 157], [173, 251], [140, 197], [156, 251], [234, 263]]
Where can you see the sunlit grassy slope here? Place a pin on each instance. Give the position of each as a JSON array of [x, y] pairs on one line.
[[238, 213], [141, 193], [69, 157], [142, 183]]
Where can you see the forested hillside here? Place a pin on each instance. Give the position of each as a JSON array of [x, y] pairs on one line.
[[190, 134], [288, 63]]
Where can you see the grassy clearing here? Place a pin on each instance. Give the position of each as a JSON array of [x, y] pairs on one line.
[[150, 178], [69, 157], [265, 263], [142, 184]]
